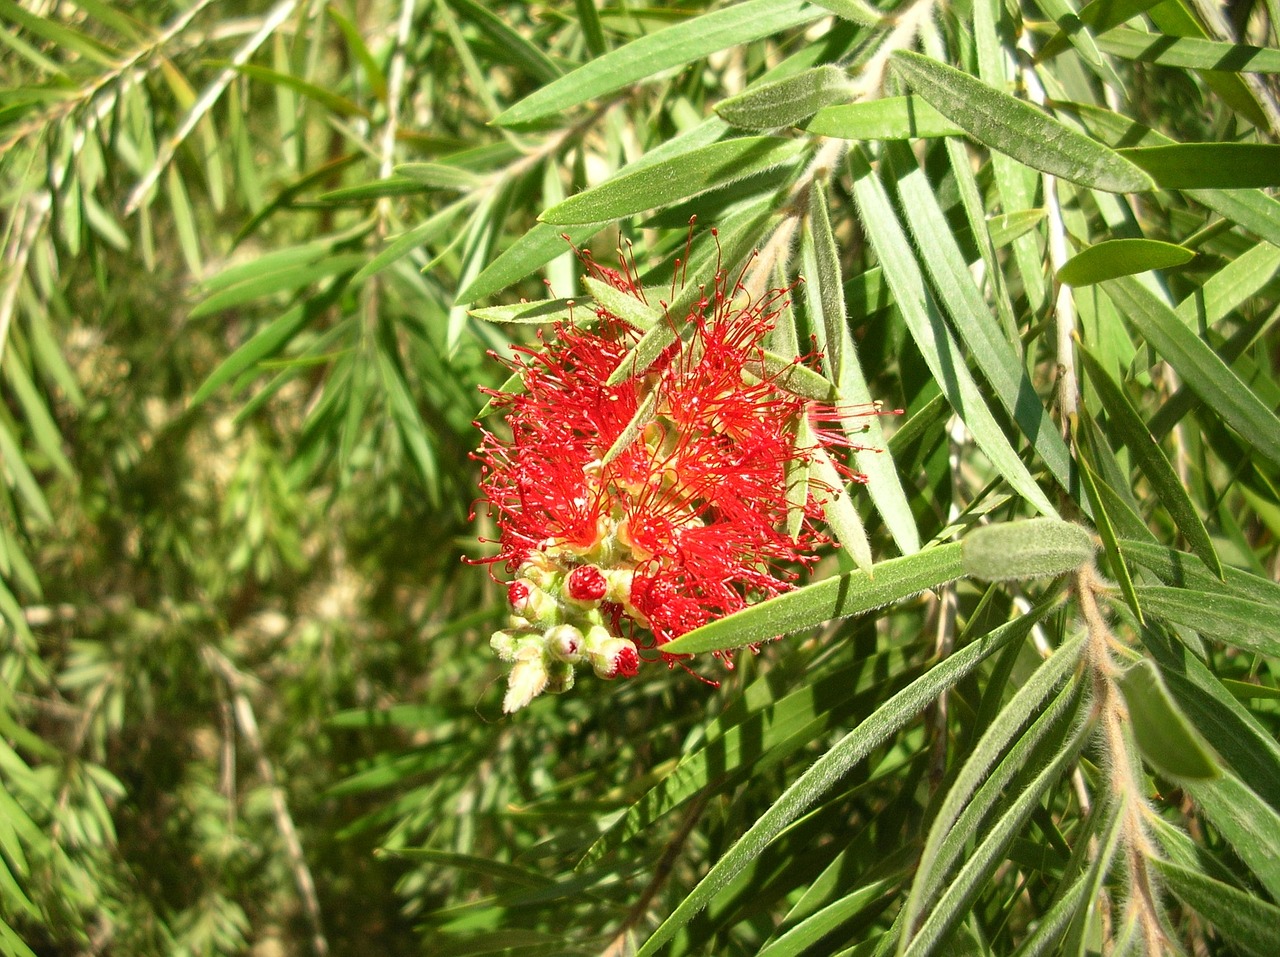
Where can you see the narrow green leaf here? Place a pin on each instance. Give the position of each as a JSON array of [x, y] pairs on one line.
[[979, 867], [1230, 286], [1006, 228], [1000, 361], [1100, 16], [793, 376], [14, 470], [824, 295], [60, 35], [1209, 165], [1166, 738], [822, 262], [893, 118], [813, 929], [1234, 733], [264, 343], [1237, 621], [1189, 52], [1121, 257], [376, 189], [992, 763], [847, 752], [1222, 391], [535, 248], [1086, 434], [850, 594], [1131, 430], [510, 44], [941, 352], [1018, 129], [1250, 825], [1252, 209], [635, 313], [552, 310], [839, 510], [440, 175], [1249, 922], [786, 102], [355, 43], [1032, 548], [289, 280], [771, 729], [331, 101], [592, 30], [1181, 570], [417, 237], [44, 430], [855, 11], [701, 169], [650, 55]]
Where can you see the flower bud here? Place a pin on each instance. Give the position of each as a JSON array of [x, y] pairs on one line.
[[559, 677], [527, 680], [586, 584], [611, 656], [618, 585], [505, 644], [530, 602], [564, 643]]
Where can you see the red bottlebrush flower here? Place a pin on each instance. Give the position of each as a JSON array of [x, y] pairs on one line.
[[685, 524]]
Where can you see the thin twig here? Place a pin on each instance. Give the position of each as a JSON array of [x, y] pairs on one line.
[[1122, 767], [661, 872], [248, 726], [1064, 307], [206, 101]]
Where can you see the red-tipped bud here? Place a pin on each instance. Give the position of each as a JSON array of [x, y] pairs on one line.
[[586, 583], [565, 643], [626, 663], [518, 595]]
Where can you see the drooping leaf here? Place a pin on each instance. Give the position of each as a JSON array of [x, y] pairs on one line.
[[787, 101], [674, 179], [1166, 738], [850, 594], [1018, 129], [1121, 257], [674, 46]]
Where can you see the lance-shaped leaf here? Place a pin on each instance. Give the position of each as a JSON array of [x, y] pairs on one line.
[[552, 310], [851, 594], [674, 179], [1033, 548], [893, 118], [1209, 165], [787, 101], [847, 752], [941, 351], [1018, 129], [1166, 738], [635, 313], [1200, 367], [844, 520], [1130, 429], [649, 55], [1121, 257]]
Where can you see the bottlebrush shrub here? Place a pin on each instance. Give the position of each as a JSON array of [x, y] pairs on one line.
[[632, 513]]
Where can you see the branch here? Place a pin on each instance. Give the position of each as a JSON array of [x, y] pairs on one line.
[[248, 725]]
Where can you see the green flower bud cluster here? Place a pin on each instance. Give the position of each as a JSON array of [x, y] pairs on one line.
[[556, 625]]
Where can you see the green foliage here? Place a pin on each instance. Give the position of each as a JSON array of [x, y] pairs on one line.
[[253, 259]]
